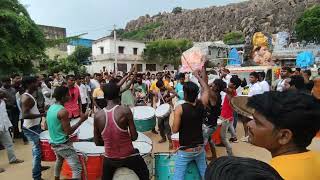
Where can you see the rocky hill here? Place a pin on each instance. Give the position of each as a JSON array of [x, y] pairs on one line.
[[208, 24]]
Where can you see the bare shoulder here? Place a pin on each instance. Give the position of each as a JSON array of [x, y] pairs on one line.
[[125, 109], [178, 109], [63, 113], [99, 115]]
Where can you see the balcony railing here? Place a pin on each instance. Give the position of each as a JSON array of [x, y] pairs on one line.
[[110, 56]]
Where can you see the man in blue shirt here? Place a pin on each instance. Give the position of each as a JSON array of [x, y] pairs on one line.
[[179, 86]]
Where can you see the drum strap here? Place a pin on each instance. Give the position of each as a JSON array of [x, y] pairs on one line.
[[159, 94]]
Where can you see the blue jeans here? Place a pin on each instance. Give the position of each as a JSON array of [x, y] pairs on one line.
[[235, 119], [184, 158], [36, 150]]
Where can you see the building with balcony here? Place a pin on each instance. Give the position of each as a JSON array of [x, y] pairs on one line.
[[128, 53]]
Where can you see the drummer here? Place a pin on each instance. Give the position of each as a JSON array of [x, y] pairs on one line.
[[165, 95], [59, 130], [115, 130], [188, 122], [212, 112], [140, 90]]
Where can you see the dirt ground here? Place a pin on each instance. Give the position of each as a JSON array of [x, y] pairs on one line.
[[23, 171]]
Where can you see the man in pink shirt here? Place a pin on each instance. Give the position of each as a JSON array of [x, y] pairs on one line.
[[73, 104]]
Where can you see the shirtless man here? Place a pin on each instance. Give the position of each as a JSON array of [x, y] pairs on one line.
[[111, 131]]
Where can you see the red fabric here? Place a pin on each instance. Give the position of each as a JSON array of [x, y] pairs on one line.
[[226, 110], [72, 105], [216, 136], [117, 142]]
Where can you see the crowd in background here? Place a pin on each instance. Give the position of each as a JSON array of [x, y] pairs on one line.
[[152, 89]]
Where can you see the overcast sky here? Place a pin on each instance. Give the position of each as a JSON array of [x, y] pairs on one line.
[[96, 17]]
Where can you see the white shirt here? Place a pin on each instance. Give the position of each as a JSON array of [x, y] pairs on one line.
[[48, 101], [265, 86], [83, 93], [4, 118], [280, 85], [34, 110], [94, 84], [255, 89]]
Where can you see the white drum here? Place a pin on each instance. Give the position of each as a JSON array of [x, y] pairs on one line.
[[143, 138], [88, 148], [45, 135], [86, 130], [142, 112], [163, 111], [179, 103], [145, 151]]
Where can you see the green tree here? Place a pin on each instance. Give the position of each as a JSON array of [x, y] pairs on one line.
[[233, 38], [308, 25], [80, 55], [21, 40], [177, 10], [166, 51]]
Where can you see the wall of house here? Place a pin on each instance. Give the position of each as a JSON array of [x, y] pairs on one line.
[[108, 45]]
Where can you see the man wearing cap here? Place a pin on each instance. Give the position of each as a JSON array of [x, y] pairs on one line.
[[285, 123]]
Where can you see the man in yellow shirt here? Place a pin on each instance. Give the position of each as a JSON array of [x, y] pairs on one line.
[[285, 123]]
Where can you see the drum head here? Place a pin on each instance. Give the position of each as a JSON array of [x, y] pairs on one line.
[[144, 148], [86, 129], [142, 112], [88, 148], [175, 136], [162, 110], [45, 135], [74, 121], [143, 138]]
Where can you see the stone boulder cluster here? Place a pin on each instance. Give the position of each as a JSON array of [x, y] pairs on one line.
[[209, 24]]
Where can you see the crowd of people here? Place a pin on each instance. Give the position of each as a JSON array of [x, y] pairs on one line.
[[282, 119]]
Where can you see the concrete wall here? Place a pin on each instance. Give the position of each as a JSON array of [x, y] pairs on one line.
[[108, 45], [97, 66]]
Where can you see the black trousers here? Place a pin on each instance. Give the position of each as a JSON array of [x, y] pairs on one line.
[[84, 107], [135, 163], [13, 114], [164, 127]]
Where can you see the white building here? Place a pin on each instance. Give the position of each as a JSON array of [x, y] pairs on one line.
[[129, 52]]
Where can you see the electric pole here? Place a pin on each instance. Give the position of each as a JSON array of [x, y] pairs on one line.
[[115, 50]]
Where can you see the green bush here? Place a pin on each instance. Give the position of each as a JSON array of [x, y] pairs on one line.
[[308, 25], [233, 38], [142, 33], [167, 51], [177, 10]]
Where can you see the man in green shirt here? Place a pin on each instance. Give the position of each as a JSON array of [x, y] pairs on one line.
[[59, 130], [140, 90]]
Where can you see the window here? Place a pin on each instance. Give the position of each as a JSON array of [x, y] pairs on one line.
[[122, 67], [151, 67], [135, 51], [139, 67], [120, 49], [102, 50]]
